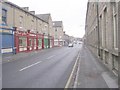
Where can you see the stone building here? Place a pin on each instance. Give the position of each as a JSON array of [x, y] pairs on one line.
[[49, 31], [58, 33], [22, 18], [48, 19], [101, 32], [27, 22], [66, 39]]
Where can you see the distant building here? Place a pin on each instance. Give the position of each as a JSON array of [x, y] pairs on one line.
[[101, 32], [58, 33], [66, 39]]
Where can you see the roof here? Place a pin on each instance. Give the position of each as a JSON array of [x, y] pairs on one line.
[[57, 24], [44, 17], [10, 3]]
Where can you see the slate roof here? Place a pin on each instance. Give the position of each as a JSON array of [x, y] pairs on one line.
[[44, 17], [57, 23]]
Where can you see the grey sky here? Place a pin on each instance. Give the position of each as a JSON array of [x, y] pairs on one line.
[[71, 12]]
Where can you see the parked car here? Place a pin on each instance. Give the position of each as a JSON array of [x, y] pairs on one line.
[[70, 45]]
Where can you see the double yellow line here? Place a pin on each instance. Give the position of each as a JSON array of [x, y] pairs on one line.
[[71, 75]]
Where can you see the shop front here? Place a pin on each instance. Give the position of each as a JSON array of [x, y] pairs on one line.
[[25, 41], [6, 39], [20, 41], [39, 41], [45, 42]]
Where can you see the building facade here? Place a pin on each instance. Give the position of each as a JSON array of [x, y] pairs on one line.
[[58, 33], [66, 39], [101, 32], [49, 31], [30, 31]]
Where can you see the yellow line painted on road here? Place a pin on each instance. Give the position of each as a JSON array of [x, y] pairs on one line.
[[71, 75], [30, 66]]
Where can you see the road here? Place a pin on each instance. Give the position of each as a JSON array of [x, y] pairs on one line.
[[47, 69]]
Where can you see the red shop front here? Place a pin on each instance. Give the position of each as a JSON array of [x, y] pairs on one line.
[[31, 41], [20, 41], [26, 41], [39, 41]]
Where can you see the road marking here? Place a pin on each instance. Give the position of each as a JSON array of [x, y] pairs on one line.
[[71, 75], [77, 75], [30, 66], [50, 57]]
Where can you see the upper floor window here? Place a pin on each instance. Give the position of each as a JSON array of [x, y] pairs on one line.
[[21, 21], [56, 30], [114, 7], [4, 16], [115, 25]]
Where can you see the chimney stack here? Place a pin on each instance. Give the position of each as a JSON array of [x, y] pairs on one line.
[[26, 8], [33, 12]]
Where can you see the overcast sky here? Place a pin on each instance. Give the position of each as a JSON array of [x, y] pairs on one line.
[[71, 12]]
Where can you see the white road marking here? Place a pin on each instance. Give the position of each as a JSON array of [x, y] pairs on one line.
[[50, 57], [30, 66]]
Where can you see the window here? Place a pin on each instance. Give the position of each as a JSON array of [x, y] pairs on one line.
[[56, 30], [20, 42], [23, 41], [4, 16], [21, 21], [32, 24], [115, 63], [30, 41], [115, 26]]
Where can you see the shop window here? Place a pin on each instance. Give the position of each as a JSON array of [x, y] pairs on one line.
[[35, 42], [20, 42], [23, 42], [39, 42], [30, 42]]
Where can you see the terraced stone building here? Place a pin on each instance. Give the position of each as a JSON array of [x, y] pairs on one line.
[[101, 32]]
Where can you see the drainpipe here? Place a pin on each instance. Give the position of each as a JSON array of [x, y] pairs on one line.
[[98, 28], [118, 27]]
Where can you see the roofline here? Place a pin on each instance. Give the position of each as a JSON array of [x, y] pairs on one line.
[[86, 14], [10, 3], [58, 21]]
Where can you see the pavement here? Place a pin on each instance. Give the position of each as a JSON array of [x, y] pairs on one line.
[[92, 73], [48, 68]]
